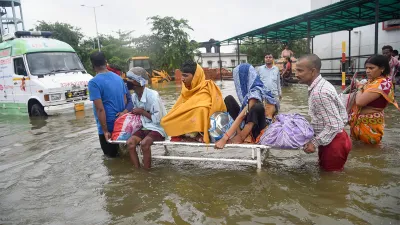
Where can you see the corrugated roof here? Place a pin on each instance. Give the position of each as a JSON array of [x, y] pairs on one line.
[[343, 15]]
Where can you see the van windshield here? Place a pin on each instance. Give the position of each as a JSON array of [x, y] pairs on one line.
[[43, 63]]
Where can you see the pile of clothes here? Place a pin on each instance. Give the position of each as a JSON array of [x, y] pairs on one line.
[[289, 131]]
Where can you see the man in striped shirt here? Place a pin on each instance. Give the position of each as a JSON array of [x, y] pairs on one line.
[[328, 116]]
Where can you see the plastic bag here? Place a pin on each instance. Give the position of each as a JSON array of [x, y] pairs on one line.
[[289, 131], [125, 126], [348, 100]]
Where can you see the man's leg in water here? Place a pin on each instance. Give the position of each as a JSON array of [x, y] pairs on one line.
[[145, 145], [110, 150], [132, 143]]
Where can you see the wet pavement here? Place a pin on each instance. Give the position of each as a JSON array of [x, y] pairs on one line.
[[53, 172]]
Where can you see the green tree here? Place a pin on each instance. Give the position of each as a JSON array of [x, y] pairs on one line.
[[168, 45], [299, 47], [63, 32], [85, 49], [256, 50], [118, 49]]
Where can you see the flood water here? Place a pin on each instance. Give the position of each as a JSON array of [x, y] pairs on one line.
[[53, 172]]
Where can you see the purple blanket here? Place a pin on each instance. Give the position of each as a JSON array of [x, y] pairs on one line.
[[289, 131]]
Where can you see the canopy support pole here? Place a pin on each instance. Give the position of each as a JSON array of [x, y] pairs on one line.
[[312, 45], [238, 52], [350, 49], [308, 36], [376, 26], [220, 63]]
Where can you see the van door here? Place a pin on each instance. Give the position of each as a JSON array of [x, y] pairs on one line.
[[21, 82]]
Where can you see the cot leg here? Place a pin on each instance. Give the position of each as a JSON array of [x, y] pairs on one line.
[[259, 162], [166, 152], [139, 153], [252, 153]]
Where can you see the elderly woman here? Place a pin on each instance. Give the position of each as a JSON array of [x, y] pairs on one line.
[[255, 114], [189, 118], [367, 117]]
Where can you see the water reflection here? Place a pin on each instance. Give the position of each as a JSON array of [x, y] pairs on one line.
[[52, 172], [38, 123]]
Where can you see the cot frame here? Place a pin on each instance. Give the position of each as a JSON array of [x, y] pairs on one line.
[[256, 152]]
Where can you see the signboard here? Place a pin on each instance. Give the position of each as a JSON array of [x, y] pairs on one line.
[[5, 52], [6, 69]]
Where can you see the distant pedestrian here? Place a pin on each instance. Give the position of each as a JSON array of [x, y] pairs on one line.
[[287, 72], [270, 76], [394, 64], [395, 54], [286, 52]]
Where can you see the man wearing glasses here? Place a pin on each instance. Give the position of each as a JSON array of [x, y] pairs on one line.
[[270, 76]]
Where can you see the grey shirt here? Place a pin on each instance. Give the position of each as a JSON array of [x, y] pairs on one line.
[[271, 79]]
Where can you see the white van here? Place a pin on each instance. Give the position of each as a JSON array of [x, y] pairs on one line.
[[41, 76]]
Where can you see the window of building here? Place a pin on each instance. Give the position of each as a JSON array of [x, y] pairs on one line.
[[209, 64], [391, 24]]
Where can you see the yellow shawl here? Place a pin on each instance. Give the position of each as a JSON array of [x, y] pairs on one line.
[[192, 110]]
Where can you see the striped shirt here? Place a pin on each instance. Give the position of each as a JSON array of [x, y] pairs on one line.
[[394, 68], [327, 112]]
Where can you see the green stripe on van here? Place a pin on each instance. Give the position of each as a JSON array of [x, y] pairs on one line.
[[13, 108]]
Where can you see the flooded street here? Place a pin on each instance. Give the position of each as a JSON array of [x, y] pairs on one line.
[[54, 172]]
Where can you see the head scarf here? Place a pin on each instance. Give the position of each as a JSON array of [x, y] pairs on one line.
[[130, 75], [194, 107], [249, 85]]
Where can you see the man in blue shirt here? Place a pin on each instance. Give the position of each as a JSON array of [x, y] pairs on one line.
[[269, 75], [108, 93], [148, 104]]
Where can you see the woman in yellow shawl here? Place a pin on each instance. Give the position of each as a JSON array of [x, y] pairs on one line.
[[199, 99], [367, 119]]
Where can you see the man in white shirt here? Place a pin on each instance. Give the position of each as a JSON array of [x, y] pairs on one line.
[[269, 75]]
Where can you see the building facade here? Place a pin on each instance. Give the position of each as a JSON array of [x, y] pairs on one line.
[[362, 41], [229, 60]]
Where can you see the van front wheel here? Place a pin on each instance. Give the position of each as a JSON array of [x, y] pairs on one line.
[[37, 110]]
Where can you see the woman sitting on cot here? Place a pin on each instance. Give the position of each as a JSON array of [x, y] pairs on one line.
[[367, 120], [257, 110], [189, 119]]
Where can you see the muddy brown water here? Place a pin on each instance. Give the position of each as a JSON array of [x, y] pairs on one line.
[[53, 172]]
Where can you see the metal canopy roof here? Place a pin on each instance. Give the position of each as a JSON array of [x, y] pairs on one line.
[[343, 15]]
